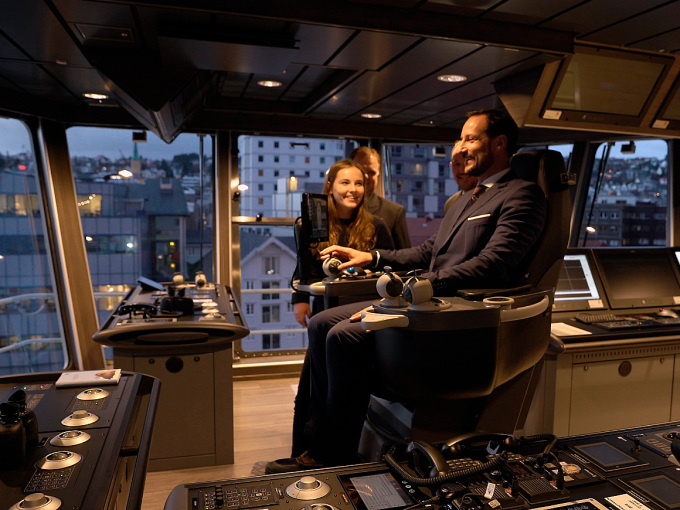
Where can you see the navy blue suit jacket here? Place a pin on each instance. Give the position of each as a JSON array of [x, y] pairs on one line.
[[483, 246]]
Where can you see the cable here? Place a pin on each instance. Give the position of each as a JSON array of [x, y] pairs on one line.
[[551, 438], [496, 461]]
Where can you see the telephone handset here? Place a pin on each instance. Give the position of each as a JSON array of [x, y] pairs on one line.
[[427, 460], [491, 443]]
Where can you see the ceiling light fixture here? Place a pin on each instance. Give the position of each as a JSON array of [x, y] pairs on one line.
[[451, 78], [269, 83], [96, 97], [371, 115]]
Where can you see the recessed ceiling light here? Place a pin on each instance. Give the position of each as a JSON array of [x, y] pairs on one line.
[[269, 83], [371, 115], [96, 97], [451, 78]]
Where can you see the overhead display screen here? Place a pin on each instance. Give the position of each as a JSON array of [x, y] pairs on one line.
[[605, 86]]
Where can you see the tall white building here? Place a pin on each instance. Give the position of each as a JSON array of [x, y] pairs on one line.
[[278, 170]]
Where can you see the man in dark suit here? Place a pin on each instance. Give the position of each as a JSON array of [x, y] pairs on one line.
[[481, 243], [394, 214]]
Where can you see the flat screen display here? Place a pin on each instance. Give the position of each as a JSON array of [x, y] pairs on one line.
[[661, 489], [314, 228], [639, 278], [578, 287], [378, 491], [605, 86], [669, 114], [607, 457]]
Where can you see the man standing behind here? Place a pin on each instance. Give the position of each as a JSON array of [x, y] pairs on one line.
[[393, 213], [466, 182]]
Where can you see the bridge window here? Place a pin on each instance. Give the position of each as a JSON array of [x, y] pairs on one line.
[[146, 208], [629, 186], [31, 334]]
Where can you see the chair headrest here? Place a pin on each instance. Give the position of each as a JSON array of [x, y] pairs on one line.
[[545, 167]]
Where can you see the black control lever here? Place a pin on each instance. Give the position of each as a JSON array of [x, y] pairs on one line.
[[675, 449]]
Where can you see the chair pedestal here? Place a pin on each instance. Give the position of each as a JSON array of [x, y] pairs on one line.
[[435, 422]]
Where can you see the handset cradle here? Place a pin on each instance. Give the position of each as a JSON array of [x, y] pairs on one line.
[[427, 459]]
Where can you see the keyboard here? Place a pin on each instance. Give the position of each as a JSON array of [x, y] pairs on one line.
[[623, 324], [590, 318]]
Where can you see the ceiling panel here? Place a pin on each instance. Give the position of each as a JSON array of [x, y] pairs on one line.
[[639, 27], [33, 26], [334, 61], [589, 19], [427, 58], [431, 95], [530, 11], [384, 47]]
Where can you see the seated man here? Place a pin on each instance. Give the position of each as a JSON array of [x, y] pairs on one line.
[[482, 242]]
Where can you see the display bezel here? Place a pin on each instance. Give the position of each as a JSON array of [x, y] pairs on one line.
[[637, 279], [642, 485], [354, 494], [314, 218], [596, 453], [563, 302], [551, 109]]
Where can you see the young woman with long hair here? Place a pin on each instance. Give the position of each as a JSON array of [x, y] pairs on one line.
[[350, 224]]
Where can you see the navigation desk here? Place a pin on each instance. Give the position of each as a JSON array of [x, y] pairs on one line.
[[599, 379], [191, 354]]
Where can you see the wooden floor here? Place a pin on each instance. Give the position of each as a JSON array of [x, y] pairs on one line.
[[263, 420]]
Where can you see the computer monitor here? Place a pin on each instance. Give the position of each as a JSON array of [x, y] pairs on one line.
[[669, 113], [639, 278], [314, 218], [605, 86], [313, 228], [579, 287]]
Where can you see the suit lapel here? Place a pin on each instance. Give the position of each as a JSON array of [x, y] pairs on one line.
[[458, 215]]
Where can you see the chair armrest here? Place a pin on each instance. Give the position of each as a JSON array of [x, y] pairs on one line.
[[480, 294]]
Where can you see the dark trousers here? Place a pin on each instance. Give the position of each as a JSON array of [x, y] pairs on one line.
[[301, 423], [340, 362]]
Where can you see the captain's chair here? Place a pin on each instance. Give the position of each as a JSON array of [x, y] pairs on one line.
[[472, 367]]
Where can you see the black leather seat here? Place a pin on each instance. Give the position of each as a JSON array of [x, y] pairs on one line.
[[450, 374]]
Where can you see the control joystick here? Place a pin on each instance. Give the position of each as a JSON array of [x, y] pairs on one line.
[[418, 291], [389, 287], [12, 437], [330, 267]]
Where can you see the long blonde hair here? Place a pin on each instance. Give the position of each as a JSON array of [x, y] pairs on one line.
[[361, 229]]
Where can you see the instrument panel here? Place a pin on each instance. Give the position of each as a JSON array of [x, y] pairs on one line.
[[633, 469]]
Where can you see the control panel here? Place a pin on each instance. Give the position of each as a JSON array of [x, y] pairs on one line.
[[171, 315], [83, 447], [621, 470]]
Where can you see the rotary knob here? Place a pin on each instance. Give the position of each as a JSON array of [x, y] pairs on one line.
[[35, 500], [308, 483], [38, 500]]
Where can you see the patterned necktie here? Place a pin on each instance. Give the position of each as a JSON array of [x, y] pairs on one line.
[[475, 195], [477, 192]]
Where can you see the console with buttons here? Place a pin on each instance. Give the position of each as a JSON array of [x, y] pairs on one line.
[[620, 470], [91, 447]]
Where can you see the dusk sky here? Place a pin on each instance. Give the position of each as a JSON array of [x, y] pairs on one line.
[[111, 142], [95, 141]]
